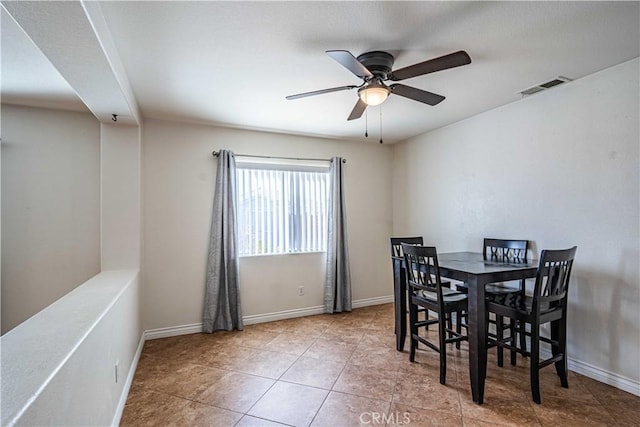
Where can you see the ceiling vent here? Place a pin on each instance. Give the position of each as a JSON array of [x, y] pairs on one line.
[[544, 86]]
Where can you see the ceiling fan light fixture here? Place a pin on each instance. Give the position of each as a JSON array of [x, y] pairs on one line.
[[373, 94]]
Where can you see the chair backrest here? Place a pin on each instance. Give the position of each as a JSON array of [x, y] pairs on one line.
[[423, 272], [396, 244], [505, 249], [552, 278]]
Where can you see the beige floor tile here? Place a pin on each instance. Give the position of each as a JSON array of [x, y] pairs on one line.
[[312, 326], [348, 410], [345, 334], [267, 364], [225, 356], [383, 339], [403, 415], [235, 391], [571, 413], [426, 393], [249, 421], [501, 409], [149, 408], [278, 326], [365, 382], [152, 368], [603, 392], [377, 357], [314, 372], [624, 414], [196, 414], [290, 343], [288, 403], [335, 351], [187, 381], [254, 338]]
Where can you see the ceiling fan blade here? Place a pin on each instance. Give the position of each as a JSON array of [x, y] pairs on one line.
[[320, 92], [348, 61], [416, 94], [445, 62], [357, 111]]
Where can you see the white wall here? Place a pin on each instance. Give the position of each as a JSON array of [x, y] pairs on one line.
[[58, 367], [50, 207], [178, 176], [559, 168], [120, 148]]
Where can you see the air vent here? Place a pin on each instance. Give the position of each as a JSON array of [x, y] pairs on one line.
[[546, 85]]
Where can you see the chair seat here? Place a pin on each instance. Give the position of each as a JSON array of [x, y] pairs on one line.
[[492, 288], [448, 297], [501, 288], [520, 303], [449, 291]]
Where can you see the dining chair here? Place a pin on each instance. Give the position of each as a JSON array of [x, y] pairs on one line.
[[548, 304], [397, 260], [503, 250], [396, 247], [427, 291]]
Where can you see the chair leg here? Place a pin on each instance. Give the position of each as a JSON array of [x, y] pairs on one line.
[[535, 363], [458, 326], [559, 333], [523, 338], [512, 331], [413, 330], [442, 336], [426, 317], [522, 324], [500, 337]]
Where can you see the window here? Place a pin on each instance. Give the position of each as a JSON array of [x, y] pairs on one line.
[[281, 209]]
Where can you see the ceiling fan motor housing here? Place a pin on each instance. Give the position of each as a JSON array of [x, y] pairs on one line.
[[378, 62]]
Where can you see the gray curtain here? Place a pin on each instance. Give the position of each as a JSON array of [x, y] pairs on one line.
[[337, 289], [222, 295]]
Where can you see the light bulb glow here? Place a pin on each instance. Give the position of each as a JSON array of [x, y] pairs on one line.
[[374, 94]]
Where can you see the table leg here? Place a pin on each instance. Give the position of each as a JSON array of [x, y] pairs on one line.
[[400, 304], [477, 338]]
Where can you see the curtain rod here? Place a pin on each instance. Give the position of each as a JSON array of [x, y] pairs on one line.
[[215, 154]]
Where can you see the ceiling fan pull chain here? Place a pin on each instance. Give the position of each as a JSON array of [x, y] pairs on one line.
[[366, 124], [380, 123]]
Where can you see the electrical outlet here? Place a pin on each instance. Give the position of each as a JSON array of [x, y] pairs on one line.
[[300, 290], [116, 370]]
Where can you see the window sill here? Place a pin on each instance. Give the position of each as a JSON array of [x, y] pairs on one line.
[[281, 254]]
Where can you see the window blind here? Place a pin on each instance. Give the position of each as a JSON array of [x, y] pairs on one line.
[[281, 211]]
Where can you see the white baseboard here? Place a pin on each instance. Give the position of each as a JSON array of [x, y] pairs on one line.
[[281, 315], [127, 385], [372, 301], [173, 331], [194, 328], [599, 374]]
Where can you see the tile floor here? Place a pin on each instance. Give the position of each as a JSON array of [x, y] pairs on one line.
[[343, 370]]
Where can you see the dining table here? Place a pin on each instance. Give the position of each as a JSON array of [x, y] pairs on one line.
[[477, 271]]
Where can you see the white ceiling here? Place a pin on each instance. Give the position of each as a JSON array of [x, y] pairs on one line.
[[232, 63], [28, 78]]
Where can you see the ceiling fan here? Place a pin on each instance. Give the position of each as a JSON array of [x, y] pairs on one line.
[[374, 68]]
